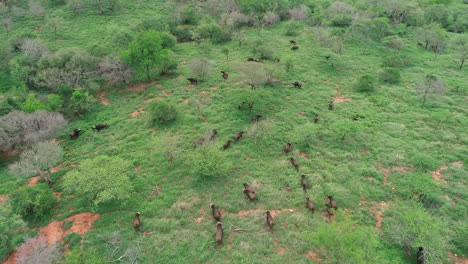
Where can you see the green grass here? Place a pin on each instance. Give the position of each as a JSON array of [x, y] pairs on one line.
[[393, 132]]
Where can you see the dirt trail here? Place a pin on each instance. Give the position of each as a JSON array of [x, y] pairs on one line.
[[137, 112], [33, 181], [437, 175], [102, 98], [312, 256], [339, 98], [54, 232], [379, 209], [457, 259], [138, 87]]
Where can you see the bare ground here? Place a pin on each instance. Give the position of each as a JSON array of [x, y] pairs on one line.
[[457, 259], [102, 98], [437, 175]]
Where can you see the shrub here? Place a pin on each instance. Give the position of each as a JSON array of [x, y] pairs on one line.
[[393, 42], [209, 162], [390, 75], [163, 112], [182, 34], [366, 83], [200, 66], [72, 239], [189, 15], [5, 106], [292, 28], [210, 31], [32, 104], [394, 61], [168, 40], [54, 102], [263, 52], [33, 203], [81, 102]]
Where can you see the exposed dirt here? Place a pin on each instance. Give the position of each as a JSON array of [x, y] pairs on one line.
[[166, 93], [457, 259], [102, 98], [279, 250], [3, 198], [437, 175], [137, 112], [303, 155], [53, 232], [340, 99], [387, 172], [58, 195], [378, 209], [138, 87], [33, 181], [247, 158], [301, 113], [244, 213], [58, 141], [312, 256], [153, 130]]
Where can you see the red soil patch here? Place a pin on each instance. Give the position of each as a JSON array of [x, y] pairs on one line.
[[199, 219], [341, 99], [137, 112], [301, 113], [58, 141], [153, 130], [181, 26], [378, 210], [186, 100], [203, 92], [3, 198], [303, 155], [437, 175], [457, 259], [244, 213], [33, 181], [103, 99], [53, 232], [166, 93], [312, 256], [58, 195], [138, 87], [247, 158]]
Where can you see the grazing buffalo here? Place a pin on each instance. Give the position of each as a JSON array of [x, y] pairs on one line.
[[75, 133], [330, 105], [309, 204], [216, 212], [295, 164], [227, 144], [316, 118], [198, 142], [250, 195], [269, 219], [303, 182], [255, 118], [100, 126], [225, 75], [292, 42], [297, 84], [238, 136], [213, 134], [252, 59], [331, 202], [136, 221], [420, 257], [295, 47], [192, 80], [219, 233], [287, 148]]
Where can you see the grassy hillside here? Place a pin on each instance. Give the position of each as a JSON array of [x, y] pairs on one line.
[[397, 170]]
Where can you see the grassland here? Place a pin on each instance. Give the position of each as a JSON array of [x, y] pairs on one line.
[[388, 160]]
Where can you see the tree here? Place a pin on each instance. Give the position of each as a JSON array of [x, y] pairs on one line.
[[390, 75], [163, 112], [340, 13], [410, 227], [270, 19], [33, 49], [460, 44], [101, 179], [7, 24], [437, 14], [299, 13], [43, 253], [55, 23], [20, 130], [430, 87], [366, 83], [200, 67], [32, 203], [114, 70], [35, 8], [252, 73], [39, 159], [145, 51], [32, 104], [210, 31], [10, 225], [81, 102], [432, 37]]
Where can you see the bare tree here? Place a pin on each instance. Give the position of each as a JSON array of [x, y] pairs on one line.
[[299, 13], [39, 159], [36, 9], [113, 245], [7, 24], [37, 251], [430, 87], [200, 67], [19, 129], [237, 19], [55, 23], [114, 70], [270, 19], [252, 73], [460, 44], [33, 49]]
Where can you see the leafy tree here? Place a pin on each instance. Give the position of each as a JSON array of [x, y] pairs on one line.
[[390, 75], [167, 62], [32, 203], [366, 83], [20, 130], [101, 179], [39, 159], [430, 87], [163, 112], [81, 101], [145, 51], [340, 13], [10, 225], [209, 162], [54, 102], [437, 14], [210, 31], [32, 104], [432, 37], [410, 227], [460, 44]]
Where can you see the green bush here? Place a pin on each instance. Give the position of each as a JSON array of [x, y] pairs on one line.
[[390, 75], [182, 34], [168, 40], [32, 104], [5, 106], [189, 15], [33, 203], [366, 83], [263, 52], [72, 239], [209, 162], [55, 102], [163, 112], [210, 31], [394, 61]]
